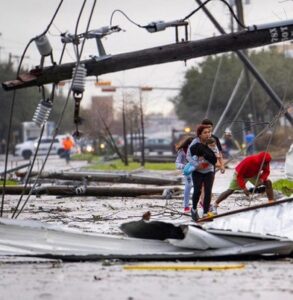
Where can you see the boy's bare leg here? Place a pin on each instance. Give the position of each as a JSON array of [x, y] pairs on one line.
[[269, 190], [223, 196]]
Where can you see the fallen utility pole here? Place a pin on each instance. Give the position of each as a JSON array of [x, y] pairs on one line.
[[15, 169], [105, 177], [156, 158], [282, 32], [255, 36], [99, 191]]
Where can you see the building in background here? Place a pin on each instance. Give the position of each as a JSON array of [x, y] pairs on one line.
[[159, 125]]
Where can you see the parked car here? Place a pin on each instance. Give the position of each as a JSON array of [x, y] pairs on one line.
[[86, 145], [158, 145], [25, 149], [28, 148]]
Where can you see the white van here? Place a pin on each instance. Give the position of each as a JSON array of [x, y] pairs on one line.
[[27, 149]]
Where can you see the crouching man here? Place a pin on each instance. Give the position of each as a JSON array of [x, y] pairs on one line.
[[253, 168]]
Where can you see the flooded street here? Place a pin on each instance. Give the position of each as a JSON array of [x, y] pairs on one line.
[[30, 278]]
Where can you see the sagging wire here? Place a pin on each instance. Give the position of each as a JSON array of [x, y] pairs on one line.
[[61, 116], [244, 100], [246, 123], [267, 126], [273, 127], [77, 24], [213, 87], [40, 119], [27, 177], [80, 71], [162, 25], [7, 151], [42, 34], [232, 97], [64, 44], [13, 104], [124, 14], [226, 3]]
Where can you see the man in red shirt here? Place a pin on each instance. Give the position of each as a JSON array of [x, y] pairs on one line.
[[255, 169]]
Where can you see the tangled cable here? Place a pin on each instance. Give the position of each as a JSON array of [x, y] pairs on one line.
[[13, 103], [15, 215]]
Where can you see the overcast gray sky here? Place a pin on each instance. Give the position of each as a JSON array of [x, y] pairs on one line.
[[22, 20]]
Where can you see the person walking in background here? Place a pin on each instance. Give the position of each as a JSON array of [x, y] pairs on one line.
[[228, 143], [255, 169], [67, 146], [180, 162], [203, 175], [249, 141]]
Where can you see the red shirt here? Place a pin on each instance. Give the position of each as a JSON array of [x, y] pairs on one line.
[[250, 167]]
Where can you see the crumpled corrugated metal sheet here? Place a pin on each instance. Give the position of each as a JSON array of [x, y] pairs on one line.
[[263, 230], [276, 220]]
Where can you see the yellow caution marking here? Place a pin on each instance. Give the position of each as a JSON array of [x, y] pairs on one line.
[[183, 267]]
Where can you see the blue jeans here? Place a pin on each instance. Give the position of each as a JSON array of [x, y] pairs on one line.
[[66, 155], [187, 189]]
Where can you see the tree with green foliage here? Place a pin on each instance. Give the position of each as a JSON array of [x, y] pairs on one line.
[[192, 102]]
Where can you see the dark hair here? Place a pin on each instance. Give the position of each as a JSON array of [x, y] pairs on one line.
[[200, 129], [184, 143], [210, 140], [207, 122]]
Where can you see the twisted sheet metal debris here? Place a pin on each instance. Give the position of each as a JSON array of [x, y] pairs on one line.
[[266, 230]]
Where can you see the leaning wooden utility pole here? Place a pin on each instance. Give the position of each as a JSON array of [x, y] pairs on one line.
[[142, 129], [281, 33], [240, 15], [254, 36], [124, 131]]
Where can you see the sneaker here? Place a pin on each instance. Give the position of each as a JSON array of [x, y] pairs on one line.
[[194, 215], [187, 209], [213, 209], [208, 215]]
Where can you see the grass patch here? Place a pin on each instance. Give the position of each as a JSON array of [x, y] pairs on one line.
[[89, 157], [8, 182], [284, 185], [117, 165]]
